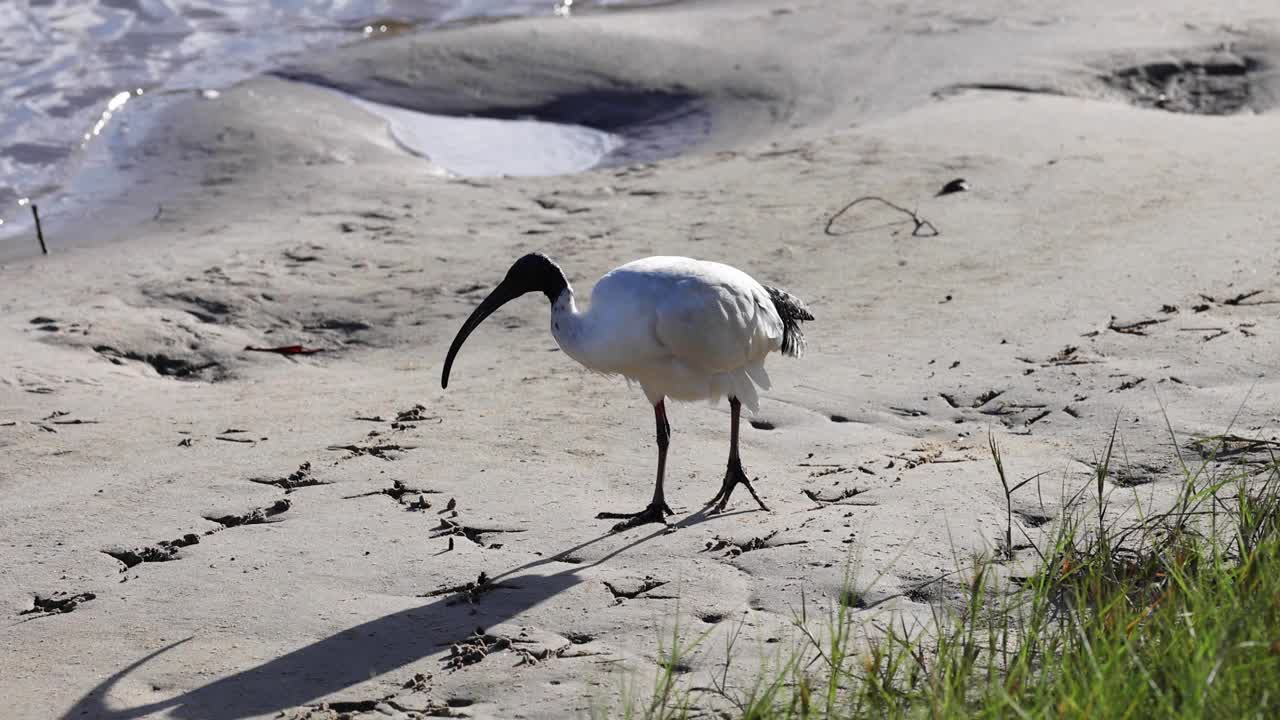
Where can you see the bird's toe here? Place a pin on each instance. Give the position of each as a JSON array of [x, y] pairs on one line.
[[655, 513], [733, 477]]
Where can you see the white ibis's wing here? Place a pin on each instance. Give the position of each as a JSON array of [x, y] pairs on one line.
[[718, 322]]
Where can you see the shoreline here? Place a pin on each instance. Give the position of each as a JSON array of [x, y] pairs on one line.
[[86, 184]]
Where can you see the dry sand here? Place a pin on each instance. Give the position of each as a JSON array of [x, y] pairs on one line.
[[280, 214]]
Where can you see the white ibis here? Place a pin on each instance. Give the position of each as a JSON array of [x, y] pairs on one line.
[[683, 329]]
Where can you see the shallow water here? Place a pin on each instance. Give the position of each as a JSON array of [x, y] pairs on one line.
[[81, 73], [483, 147]]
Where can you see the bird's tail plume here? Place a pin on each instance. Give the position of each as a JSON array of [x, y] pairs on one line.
[[793, 311]]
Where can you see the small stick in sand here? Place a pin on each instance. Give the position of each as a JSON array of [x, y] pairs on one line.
[[35, 213], [285, 350], [923, 228]]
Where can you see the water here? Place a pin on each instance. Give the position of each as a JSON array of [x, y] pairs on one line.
[[484, 147], [80, 71]]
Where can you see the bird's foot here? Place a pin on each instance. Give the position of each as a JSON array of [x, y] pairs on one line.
[[733, 477], [657, 512]]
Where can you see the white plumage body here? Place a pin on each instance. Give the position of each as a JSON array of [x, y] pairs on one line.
[[683, 329]]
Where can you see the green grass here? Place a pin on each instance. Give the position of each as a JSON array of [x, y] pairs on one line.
[[1172, 615]]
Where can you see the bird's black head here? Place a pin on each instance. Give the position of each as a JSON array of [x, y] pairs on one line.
[[534, 272]]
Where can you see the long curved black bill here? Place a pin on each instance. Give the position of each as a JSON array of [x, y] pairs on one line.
[[500, 296]]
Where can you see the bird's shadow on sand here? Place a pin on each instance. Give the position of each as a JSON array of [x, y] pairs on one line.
[[359, 653]]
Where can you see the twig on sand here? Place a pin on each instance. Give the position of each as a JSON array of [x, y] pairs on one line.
[[35, 213], [923, 228], [285, 350], [379, 451], [734, 548], [1239, 300], [838, 499], [1042, 415], [1132, 328], [396, 492]]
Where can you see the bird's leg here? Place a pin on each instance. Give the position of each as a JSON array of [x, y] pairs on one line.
[[658, 509], [734, 474]]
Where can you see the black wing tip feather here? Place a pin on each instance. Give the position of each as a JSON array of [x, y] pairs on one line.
[[793, 311]]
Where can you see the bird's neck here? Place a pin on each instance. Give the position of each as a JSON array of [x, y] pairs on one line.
[[568, 324]]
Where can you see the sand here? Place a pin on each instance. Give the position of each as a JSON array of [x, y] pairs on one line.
[[324, 527]]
